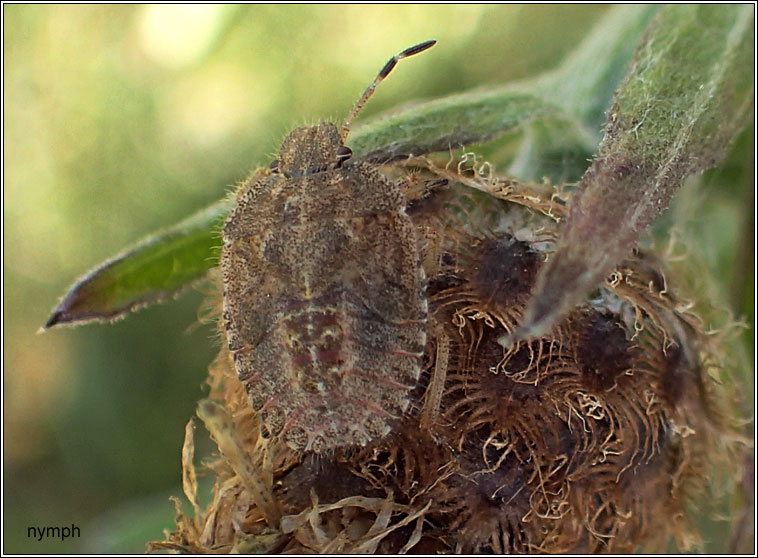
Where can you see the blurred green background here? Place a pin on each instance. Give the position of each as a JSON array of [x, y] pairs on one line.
[[123, 119]]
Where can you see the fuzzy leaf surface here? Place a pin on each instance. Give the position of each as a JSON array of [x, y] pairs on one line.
[[154, 270], [561, 106], [687, 95]]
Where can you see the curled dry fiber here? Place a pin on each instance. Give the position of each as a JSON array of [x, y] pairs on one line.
[[600, 437]]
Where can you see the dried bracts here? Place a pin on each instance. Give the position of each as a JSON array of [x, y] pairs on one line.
[[602, 436]]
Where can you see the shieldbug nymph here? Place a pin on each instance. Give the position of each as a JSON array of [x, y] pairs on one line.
[[324, 298]]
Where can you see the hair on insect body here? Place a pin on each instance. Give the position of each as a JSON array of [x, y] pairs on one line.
[[325, 307]]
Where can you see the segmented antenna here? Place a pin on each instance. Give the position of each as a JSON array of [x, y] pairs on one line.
[[421, 47]]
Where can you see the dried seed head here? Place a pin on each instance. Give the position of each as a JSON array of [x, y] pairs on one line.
[[603, 352], [594, 438], [503, 270]]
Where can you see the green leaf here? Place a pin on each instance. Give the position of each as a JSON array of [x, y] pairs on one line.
[[582, 86], [569, 101], [453, 122], [585, 82], [159, 267], [687, 95], [154, 270], [557, 110]]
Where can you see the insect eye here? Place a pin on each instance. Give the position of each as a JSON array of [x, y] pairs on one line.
[[275, 166], [343, 154]]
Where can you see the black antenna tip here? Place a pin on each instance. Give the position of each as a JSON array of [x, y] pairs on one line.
[[421, 47], [410, 51], [388, 67]]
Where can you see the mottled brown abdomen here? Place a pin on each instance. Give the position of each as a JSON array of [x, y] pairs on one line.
[[324, 304]]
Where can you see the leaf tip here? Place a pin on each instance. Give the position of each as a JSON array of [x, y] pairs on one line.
[[57, 317]]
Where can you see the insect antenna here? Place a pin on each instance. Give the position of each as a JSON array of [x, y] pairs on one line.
[[421, 47]]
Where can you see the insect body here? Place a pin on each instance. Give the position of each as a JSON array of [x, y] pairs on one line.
[[324, 299]]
